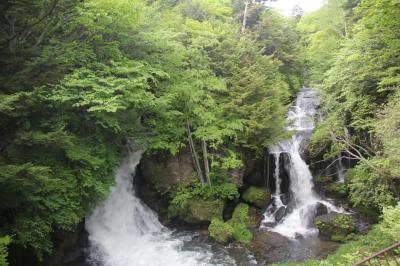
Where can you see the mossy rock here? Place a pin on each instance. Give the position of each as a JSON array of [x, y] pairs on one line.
[[247, 215], [259, 197], [199, 210], [241, 233], [241, 214], [241, 222], [238, 227], [219, 230], [336, 226]]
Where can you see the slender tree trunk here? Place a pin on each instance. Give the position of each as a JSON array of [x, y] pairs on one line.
[[246, 5], [194, 155], [205, 159]]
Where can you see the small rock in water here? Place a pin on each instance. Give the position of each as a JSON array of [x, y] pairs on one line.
[[321, 209], [285, 198], [280, 213], [298, 236]]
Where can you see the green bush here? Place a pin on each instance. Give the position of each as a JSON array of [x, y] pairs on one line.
[[4, 242], [220, 231], [369, 190], [336, 226]]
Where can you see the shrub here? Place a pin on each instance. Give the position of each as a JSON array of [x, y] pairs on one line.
[[336, 226], [220, 231], [4, 241]]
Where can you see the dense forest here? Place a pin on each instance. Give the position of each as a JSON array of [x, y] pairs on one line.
[[85, 82]]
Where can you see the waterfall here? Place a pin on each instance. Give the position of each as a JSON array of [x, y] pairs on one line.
[[301, 209], [340, 170], [123, 231]]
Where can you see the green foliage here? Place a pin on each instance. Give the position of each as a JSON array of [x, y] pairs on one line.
[[241, 233], [368, 189], [354, 61], [4, 242], [237, 227], [82, 80], [240, 222], [220, 231], [337, 228], [182, 195]]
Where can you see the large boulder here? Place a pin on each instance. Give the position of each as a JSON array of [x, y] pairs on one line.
[[197, 211], [270, 246], [162, 171], [259, 197], [321, 209], [336, 226]]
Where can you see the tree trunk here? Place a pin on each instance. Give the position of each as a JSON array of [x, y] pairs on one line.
[[205, 159], [194, 155], [246, 4]]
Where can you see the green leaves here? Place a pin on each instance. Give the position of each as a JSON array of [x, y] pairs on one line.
[[109, 88], [92, 77], [4, 242]]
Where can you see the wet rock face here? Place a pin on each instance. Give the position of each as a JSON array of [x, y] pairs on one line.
[[285, 198], [335, 226], [321, 209], [280, 213], [161, 171], [253, 173], [270, 247]]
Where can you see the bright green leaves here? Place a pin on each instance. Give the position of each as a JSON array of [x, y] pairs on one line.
[[95, 76], [356, 62], [109, 89], [4, 242], [38, 191]]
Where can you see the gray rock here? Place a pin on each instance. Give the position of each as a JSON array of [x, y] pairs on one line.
[[280, 213], [321, 209]]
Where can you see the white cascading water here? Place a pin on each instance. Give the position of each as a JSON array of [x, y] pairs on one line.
[[123, 231], [304, 200], [340, 171]]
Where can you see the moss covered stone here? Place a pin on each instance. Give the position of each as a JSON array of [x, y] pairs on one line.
[[200, 210], [237, 228], [257, 196], [335, 226], [219, 230], [240, 222], [241, 233]]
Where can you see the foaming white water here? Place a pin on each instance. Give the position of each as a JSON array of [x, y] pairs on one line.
[[304, 200], [123, 231]]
